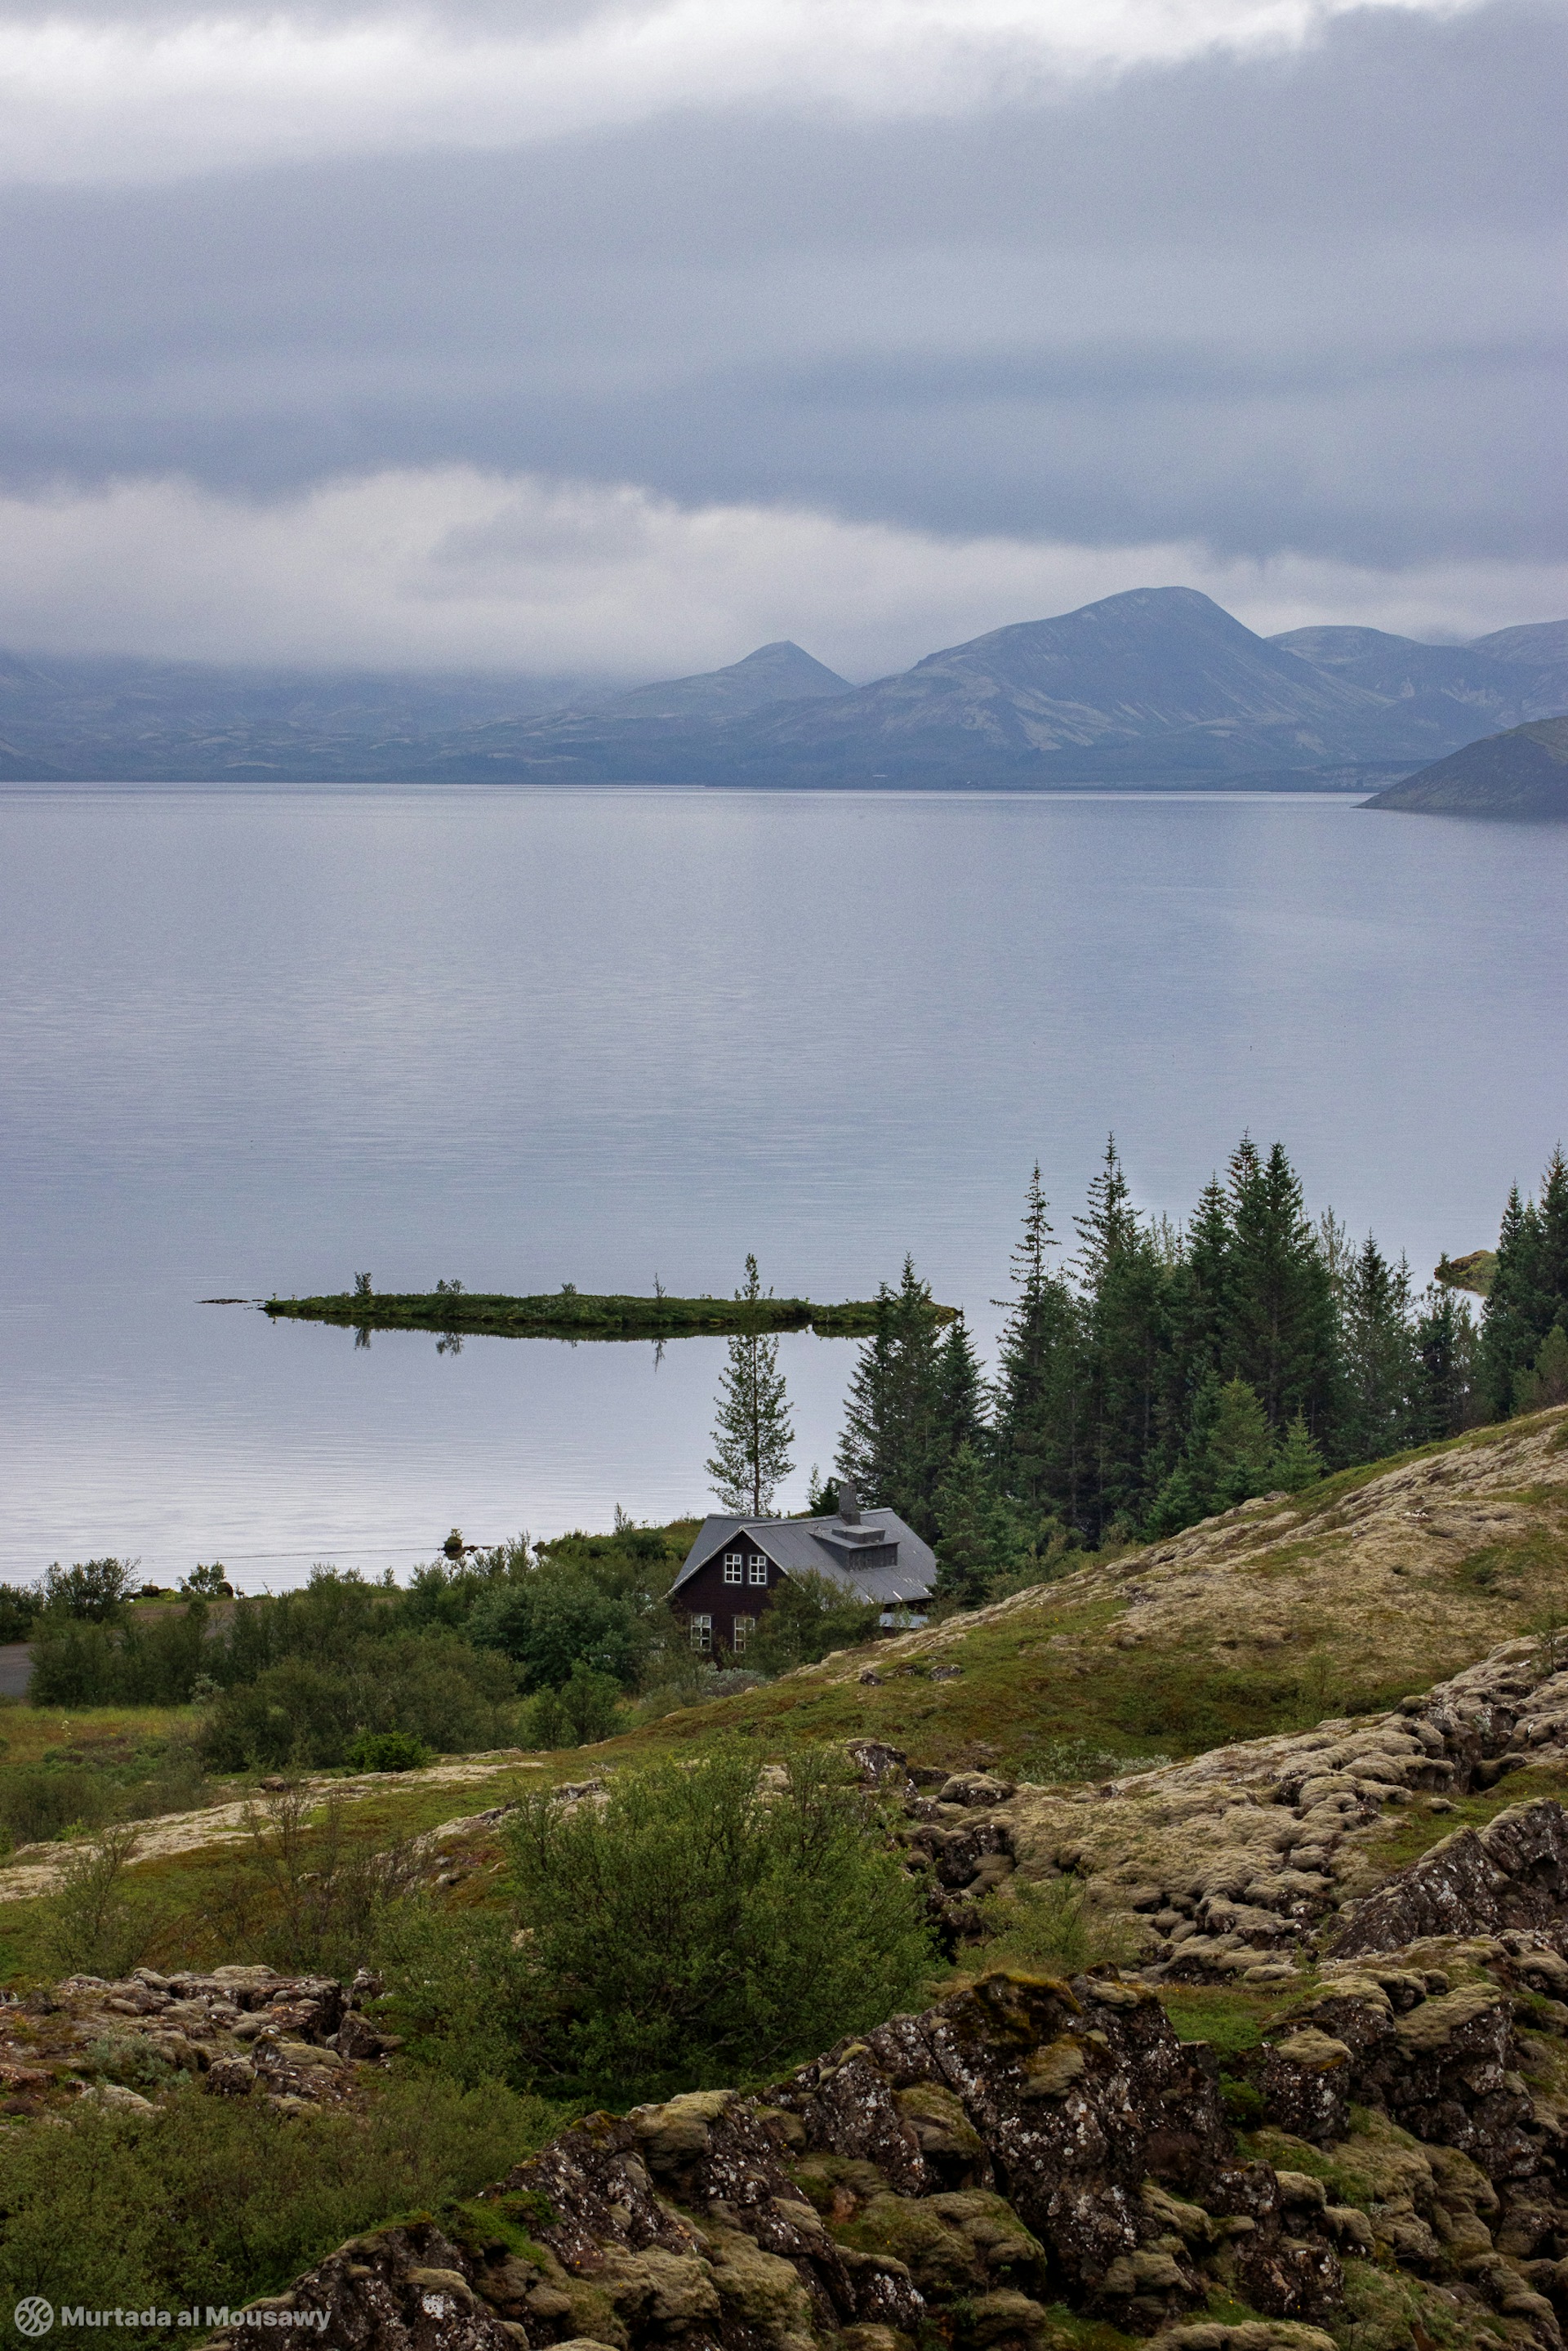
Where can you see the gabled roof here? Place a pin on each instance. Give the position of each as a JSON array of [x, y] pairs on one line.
[[801, 1546]]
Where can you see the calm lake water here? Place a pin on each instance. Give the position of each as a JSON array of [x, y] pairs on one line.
[[258, 1041]]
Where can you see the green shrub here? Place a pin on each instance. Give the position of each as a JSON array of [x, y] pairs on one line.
[[19, 1607], [460, 1990], [309, 1888], [387, 1750], [433, 1687], [94, 1924], [221, 2199], [556, 1620], [1058, 1927], [40, 1801], [807, 1615], [583, 1711], [94, 1590], [700, 1928]]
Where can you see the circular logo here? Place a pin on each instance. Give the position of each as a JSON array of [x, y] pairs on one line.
[[34, 2315]]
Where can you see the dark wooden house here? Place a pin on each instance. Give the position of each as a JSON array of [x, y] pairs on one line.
[[736, 1566]]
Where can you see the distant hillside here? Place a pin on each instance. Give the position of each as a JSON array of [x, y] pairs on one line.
[[1446, 695], [1159, 687], [101, 718], [776, 673], [1523, 773]]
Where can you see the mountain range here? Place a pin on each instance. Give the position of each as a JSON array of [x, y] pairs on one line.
[[1157, 686]]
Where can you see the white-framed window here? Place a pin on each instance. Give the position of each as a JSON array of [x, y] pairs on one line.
[[701, 1634], [742, 1631], [759, 1571], [732, 1567]]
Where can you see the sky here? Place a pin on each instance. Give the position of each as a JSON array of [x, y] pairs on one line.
[[547, 336]]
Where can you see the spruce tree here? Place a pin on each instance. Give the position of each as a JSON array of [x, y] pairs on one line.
[[1444, 1341], [1380, 1357], [1297, 1461], [893, 1443], [1123, 1309], [752, 1433], [1512, 1329], [974, 1540], [1546, 1382], [1036, 1399], [960, 1397], [1280, 1335]]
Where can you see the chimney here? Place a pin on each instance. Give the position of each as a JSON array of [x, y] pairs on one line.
[[848, 1505]]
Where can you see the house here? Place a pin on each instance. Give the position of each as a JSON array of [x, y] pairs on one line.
[[736, 1565]]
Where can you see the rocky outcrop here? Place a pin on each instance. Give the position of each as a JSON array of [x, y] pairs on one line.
[[240, 2031], [1026, 2142], [1512, 1873]]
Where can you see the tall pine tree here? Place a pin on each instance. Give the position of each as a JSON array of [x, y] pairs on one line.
[[752, 1435], [1280, 1309], [1037, 1437], [893, 1445], [1122, 1284], [1380, 1358]]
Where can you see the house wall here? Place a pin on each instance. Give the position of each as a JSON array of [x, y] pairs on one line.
[[708, 1593]]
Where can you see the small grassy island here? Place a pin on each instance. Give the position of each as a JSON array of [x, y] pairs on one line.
[[571, 1313]]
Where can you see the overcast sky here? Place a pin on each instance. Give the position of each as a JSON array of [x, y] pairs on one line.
[[543, 335]]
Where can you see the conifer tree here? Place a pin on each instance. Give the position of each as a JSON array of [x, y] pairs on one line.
[[975, 1529], [1509, 1332], [892, 1447], [1445, 1343], [1296, 1462], [752, 1433], [1381, 1362], [1037, 1402], [1124, 1318], [1546, 1381], [960, 1397], [1281, 1336]]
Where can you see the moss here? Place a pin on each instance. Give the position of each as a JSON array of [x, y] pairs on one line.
[[478, 2225], [1408, 1834], [1065, 2331], [1388, 2310], [1230, 2022], [941, 2260]]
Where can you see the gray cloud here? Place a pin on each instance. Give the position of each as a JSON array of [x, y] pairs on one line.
[[1297, 302]]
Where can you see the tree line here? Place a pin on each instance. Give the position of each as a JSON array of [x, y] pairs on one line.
[[1159, 1372]]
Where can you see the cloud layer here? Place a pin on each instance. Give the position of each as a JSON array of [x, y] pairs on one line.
[[972, 307], [454, 569]]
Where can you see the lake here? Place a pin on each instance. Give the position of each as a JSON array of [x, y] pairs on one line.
[[256, 1041]]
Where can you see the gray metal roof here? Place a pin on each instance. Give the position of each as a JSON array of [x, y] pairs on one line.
[[800, 1545]]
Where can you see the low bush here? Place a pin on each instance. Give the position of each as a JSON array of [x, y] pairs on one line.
[[308, 1889], [582, 1711], [95, 1923], [1058, 1927], [807, 1616], [221, 2199], [40, 1801], [433, 1687], [387, 1750], [701, 1928]]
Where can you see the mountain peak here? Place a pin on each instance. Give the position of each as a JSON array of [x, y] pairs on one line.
[[779, 672]]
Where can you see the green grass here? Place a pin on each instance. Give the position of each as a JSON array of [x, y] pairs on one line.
[[1411, 1833], [579, 1315]]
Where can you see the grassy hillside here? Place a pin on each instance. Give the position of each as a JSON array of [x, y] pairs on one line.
[[1334, 1602]]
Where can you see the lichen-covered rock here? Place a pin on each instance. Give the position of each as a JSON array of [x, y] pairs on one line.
[[1512, 1873]]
